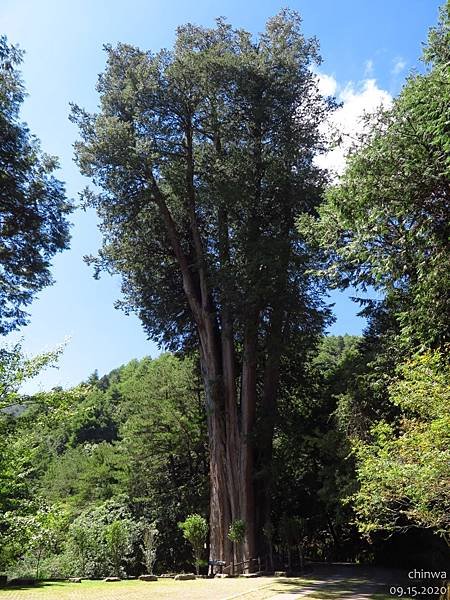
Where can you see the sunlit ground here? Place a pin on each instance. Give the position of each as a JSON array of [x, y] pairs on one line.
[[204, 589]]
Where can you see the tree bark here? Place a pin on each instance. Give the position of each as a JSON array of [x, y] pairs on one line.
[[268, 417], [248, 413], [219, 505]]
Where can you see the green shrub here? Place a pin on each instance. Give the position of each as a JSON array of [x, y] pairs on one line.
[[236, 532], [195, 531]]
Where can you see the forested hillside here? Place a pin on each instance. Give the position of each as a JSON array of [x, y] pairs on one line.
[[131, 448]]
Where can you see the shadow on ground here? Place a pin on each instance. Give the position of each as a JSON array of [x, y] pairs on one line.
[[342, 581]]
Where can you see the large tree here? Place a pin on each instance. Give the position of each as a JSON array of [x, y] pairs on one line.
[[33, 207], [203, 156], [385, 225]]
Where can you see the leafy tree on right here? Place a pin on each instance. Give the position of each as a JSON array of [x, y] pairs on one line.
[[385, 226]]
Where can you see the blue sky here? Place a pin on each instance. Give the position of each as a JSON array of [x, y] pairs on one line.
[[368, 48]]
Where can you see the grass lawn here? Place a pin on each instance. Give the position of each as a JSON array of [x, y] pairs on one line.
[[163, 589], [261, 588]]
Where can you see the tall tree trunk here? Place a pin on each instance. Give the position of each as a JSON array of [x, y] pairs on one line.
[[232, 423], [217, 372], [219, 501], [231, 452], [268, 416], [229, 376], [248, 413], [229, 371]]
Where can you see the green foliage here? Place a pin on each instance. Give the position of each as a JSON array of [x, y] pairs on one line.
[[118, 537], [164, 447], [195, 531], [18, 453], [385, 224], [16, 369], [37, 534], [80, 543], [86, 473], [403, 470], [236, 532], [33, 207], [101, 539], [437, 50], [63, 449]]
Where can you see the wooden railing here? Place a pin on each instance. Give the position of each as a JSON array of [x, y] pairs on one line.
[[234, 568]]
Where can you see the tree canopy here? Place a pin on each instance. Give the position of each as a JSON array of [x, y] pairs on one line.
[[403, 471], [33, 205], [385, 224]]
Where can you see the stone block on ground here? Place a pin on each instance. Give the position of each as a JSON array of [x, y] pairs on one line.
[[74, 579], [108, 579], [184, 576], [148, 578], [280, 573]]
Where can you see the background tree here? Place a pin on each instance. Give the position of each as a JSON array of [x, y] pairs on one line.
[[33, 206], [118, 537], [385, 224], [204, 155], [312, 467], [38, 534], [163, 448], [403, 469], [16, 369], [80, 542]]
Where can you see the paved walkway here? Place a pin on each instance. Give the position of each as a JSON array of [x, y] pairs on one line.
[[343, 582]]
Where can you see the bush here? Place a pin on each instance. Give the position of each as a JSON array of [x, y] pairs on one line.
[[118, 537], [195, 531], [100, 540], [236, 532]]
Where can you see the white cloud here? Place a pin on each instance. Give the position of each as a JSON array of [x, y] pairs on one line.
[[327, 84], [399, 65], [346, 121]]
